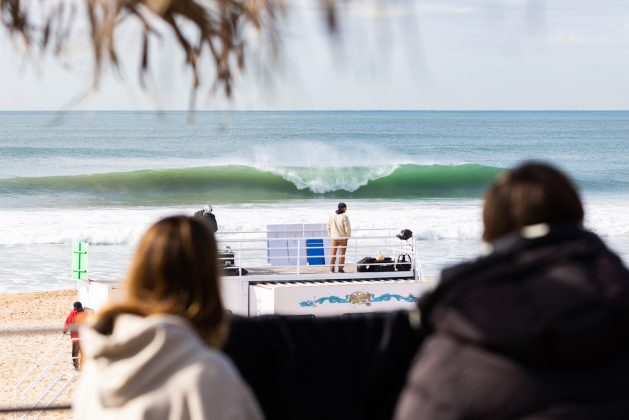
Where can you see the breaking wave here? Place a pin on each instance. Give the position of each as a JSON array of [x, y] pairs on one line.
[[240, 183]]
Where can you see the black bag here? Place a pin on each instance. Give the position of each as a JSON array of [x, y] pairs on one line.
[[226, 258], [381, 267], [403, 262], [233, 271], [366, 265]]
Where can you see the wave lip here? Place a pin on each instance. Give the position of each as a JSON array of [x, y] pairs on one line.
[[240, 183], [323, 180]]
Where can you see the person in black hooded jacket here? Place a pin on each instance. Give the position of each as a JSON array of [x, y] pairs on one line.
[[206, 214], [539, 328]]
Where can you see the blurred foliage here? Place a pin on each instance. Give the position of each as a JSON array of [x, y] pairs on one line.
[[220, 29]]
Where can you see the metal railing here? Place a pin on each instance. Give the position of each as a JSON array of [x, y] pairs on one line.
[[257, 249], [45, 381]]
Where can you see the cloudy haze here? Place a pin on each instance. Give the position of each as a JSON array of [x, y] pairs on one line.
[[563, 54]]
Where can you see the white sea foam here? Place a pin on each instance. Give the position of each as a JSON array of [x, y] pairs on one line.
[[322, 180], [322, 167], [312, 154], [429, 219], [35, 244]]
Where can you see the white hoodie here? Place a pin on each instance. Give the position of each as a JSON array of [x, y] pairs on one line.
[[158, 368]]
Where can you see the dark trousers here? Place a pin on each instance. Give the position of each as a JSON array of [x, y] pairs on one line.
[[76, 351]]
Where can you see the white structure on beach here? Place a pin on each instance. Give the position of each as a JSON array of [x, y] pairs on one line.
[[283, 270]]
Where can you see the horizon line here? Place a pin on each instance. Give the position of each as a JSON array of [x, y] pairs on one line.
[[329, 110]]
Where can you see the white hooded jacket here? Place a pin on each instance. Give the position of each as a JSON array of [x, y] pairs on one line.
[[158, 368], [339, 227]]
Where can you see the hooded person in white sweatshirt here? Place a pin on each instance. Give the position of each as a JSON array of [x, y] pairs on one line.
[[155, 356]]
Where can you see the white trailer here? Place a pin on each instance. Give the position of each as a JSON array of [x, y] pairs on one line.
[[287, 273]]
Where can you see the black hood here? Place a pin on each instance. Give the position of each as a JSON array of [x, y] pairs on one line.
[[561, 299]]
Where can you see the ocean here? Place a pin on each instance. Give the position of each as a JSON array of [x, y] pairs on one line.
[[104, 177]]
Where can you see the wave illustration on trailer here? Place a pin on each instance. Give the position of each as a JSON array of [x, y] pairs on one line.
[[236, 184], [358, 298]]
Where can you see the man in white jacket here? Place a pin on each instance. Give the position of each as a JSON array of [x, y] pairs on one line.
[[339, 231]]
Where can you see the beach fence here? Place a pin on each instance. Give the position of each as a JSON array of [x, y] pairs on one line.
[[44, 390]]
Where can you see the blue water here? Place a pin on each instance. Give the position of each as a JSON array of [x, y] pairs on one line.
[[104, 176], [590, 145]]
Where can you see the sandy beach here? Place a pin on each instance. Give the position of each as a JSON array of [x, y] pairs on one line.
[[19, 351]]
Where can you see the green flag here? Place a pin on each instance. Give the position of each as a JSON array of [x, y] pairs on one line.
[[79, 260]]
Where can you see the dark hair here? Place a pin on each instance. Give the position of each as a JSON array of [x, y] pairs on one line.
[[175, 271], [405, 234], [78, 306], [341, 207], [531, 193]]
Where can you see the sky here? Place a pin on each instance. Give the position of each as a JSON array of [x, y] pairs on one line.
[[410, 54]]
